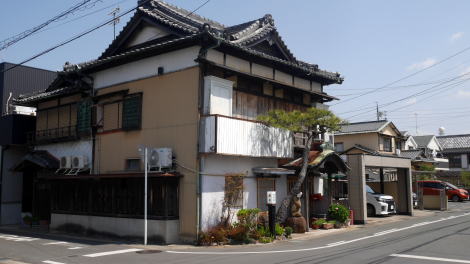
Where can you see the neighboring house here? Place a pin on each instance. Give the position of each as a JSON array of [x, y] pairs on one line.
[[428, 152], [456, 148], [176, 80], [410, 143], [381, 137], [14, 123]]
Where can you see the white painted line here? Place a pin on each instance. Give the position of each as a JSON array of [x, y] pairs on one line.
[[75, 247], [56, 243], [430, 258], [94, 255], [322, 247], [52, 262]]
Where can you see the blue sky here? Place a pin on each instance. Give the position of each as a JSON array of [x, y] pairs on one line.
[[371, 43]]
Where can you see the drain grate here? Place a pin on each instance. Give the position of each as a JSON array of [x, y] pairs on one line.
[[149, 251]]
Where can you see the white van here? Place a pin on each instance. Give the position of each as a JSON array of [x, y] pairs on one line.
[[378, 203]]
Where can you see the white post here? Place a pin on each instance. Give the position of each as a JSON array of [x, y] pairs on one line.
[[145, 198]]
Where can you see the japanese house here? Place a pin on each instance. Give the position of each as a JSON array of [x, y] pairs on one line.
[[177, 81]]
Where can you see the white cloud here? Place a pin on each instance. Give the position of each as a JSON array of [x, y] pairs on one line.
[[462, 93], [456, 36], [422, 65]]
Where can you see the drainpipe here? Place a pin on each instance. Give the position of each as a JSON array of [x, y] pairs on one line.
[[202, 71], [2, 157]]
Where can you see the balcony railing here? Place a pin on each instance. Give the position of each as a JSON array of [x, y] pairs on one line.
[[53, 135], [234, 136]]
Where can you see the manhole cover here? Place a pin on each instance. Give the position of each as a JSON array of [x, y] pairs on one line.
[[149, 251]]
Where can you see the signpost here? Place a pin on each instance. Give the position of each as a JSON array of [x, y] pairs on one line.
[[271, 202]]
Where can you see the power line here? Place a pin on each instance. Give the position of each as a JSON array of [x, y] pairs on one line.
[[72, 39], [16, 38], [406, 77]]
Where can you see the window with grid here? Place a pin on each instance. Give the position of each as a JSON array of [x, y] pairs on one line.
[[132, 112]]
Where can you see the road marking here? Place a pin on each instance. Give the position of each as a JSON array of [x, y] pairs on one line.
[[321, 247], [56, 243], [17, 238], [94, 255], [430, 258], [75, 247], [52, 262]]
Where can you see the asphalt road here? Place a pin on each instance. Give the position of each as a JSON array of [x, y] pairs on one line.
[[441, 238]]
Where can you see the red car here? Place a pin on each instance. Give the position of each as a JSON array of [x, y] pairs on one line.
[[453, 193]]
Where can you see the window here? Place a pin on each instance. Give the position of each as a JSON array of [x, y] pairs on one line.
[[455, 161], [387, 144], [116, 197], [339, 147], [132, 112], [133, 164], [233, 196], [84, 116]]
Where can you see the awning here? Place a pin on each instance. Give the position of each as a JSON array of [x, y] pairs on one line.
[[318, 158], [39, 158], [272, 171]]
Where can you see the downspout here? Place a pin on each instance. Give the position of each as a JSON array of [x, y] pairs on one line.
[[202, 71], [2, 157]]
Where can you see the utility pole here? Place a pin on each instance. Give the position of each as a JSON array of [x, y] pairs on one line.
[[416, 118], [115, 20], [377, 108]]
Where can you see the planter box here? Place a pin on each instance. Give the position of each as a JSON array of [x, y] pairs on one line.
[[328, 226]]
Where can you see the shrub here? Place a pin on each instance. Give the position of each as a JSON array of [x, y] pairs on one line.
[[239, 234], [263, 231], [338, 212], [217, 234], [248, 217], [288, 231], [319, 222], [279, 230], [265, 240]]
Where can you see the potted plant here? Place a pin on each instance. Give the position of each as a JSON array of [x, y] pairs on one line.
[[339, 213], [317, 224], [329, 224]]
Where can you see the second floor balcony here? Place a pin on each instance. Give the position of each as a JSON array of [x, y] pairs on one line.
[[61, 134], [234, 136]]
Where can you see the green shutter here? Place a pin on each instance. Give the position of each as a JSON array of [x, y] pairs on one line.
[[132, 112], [84, 116]]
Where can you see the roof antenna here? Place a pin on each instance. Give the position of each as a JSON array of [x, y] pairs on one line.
[[115, 20]]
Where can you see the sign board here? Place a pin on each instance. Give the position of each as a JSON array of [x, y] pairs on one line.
[[271, 197]]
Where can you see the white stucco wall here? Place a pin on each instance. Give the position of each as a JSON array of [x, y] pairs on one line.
[[212, 185], [147, 34], [148, 67], [167, 230], [73, 148]]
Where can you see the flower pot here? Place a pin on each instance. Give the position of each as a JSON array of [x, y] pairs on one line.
[[328, 226], [316, 226]]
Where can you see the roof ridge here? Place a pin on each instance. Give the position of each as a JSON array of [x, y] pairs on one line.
[[458, 135]]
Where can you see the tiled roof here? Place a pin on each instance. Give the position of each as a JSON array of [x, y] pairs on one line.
[[423, 141], [455, 143], [363, 127], [412, 154], [245, 35], [25, 99]]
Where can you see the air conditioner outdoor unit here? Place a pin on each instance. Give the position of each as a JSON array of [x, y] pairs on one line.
[[66, 162], [165, 159], [79, 162]]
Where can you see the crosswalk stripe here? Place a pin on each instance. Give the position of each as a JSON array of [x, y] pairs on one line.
[[94, 255]]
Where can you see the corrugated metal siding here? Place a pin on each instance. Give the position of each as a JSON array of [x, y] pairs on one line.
[[23, 80], [244, 138]]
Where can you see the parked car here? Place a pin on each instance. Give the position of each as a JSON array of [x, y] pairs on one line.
[[453, 192], [378, 203]]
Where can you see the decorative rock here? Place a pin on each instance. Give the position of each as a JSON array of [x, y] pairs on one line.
[[298, 224]]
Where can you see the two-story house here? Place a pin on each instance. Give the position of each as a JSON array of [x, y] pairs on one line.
[[15, 191], [426, 153], [172, 79], [456, 148]]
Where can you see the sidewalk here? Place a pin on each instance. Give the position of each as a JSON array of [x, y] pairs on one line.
[[312, 234]]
